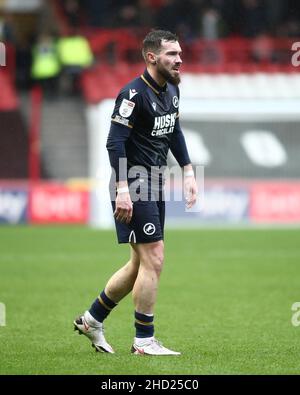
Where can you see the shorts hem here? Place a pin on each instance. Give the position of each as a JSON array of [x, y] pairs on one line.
[[141, 241]]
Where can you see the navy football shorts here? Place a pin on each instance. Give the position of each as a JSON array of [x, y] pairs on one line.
[[146, 225]]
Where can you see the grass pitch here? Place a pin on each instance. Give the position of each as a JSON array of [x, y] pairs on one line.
[[224, 301]]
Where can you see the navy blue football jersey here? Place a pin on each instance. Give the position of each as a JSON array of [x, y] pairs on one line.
[[151, 113]]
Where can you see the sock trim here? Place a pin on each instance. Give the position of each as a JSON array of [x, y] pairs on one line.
[[144, 323], [143, 317], [104, 304]]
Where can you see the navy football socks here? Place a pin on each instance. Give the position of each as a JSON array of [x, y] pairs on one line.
[[101, 307], [143, 325]]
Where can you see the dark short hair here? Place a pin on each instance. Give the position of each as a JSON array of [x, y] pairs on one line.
[[152, 42]]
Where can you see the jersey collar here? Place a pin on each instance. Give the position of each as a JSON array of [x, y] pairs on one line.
[[146, 77]]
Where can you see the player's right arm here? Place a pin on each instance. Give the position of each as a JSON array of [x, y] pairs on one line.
[[117, 138], [124, 208], [122, 122]]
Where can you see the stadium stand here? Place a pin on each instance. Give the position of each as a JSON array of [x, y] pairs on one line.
[[14, 145], [229, 63], [8, 93], [117, 52], [240, 95], [64, 149], [14, 140]]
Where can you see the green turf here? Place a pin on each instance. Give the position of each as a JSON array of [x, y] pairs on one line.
[[224, 300]]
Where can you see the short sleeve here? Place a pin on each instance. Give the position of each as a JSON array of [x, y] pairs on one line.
[[127, 107]]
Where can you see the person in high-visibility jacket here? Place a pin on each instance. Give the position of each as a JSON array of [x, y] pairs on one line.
[[46, 67], [75, 55], [75, 51]]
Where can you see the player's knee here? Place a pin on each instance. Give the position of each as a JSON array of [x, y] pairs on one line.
[[157, 264], [155, 257]]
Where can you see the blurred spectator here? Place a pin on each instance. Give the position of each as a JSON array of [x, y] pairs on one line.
[[263, 48], [247, 18], [6, 28], [211, 24], [24, 63], [291, 28], [293, 8], [275, 11], [46, 66], [252, 18], [168, 15], [100, 13], [231, 14], [188, 25], [146, 13], [75, 55], [128, 14], [180, 17], [72, 11], [211, 31], [289, 24]]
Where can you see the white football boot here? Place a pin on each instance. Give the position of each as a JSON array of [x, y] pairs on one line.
[[93, 330], [150, 346]]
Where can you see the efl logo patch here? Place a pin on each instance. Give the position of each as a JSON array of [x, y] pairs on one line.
[[126, 108]]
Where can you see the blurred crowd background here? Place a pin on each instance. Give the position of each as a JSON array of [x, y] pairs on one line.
[[65, 58], [40, 27], [209, 19]]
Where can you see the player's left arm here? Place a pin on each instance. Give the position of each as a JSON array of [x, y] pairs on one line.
[[179, 150]]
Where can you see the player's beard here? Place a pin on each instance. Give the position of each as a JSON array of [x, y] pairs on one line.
[[167, 75]]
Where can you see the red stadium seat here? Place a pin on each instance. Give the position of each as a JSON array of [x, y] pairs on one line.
[[8, 95]]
